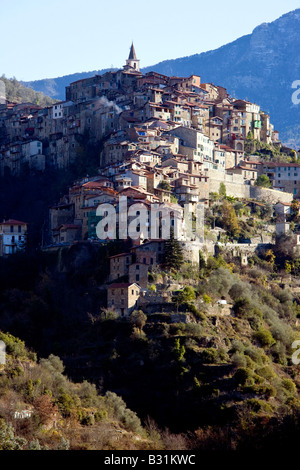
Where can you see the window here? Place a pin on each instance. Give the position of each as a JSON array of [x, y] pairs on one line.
[[137, 277], [11, 228], [19, 229], [137, 267], [112, 292]]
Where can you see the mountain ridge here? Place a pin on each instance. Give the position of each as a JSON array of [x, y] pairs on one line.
[[260, 67]]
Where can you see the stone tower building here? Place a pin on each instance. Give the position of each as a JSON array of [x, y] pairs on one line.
[[132, 61]]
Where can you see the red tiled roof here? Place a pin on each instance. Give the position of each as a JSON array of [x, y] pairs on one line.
[[67, 227], [119, 254], [122, 285], [13, 222]]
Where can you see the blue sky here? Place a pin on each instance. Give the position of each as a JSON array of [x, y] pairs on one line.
[[51, 38]]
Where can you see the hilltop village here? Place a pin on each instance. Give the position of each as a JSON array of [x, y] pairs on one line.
[[184, 336], [173, 141]]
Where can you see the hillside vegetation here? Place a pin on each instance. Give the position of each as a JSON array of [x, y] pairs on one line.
[[40, 409], [18, 93], [217, 376]]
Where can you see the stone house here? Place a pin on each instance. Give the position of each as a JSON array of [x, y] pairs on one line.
[[152, 246], [119, 265], [13, 236], [67, 234], [123, 298], [138, 273]]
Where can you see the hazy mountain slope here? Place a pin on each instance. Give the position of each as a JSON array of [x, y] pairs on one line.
[[260, 67], [55, 87]]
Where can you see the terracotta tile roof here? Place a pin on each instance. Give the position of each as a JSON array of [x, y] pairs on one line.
[[13, 222], [122, 285], [119, 255]]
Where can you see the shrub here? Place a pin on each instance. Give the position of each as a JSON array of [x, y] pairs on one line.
[[279, 353], [8, 440], [117, 408], [220, 281], [256, 354], [45, 408], [239, 360], [207, 299], [237, 346], [210, 356], [65, 404], [284, 296], [243, 376], [138, 318], [289, 385], [87, 419], [264, 337], [87, 393], [15, 347], [258, 405], [242, 307], [266, 372], [100, 415], [267, 390], [236, 291], [193, 329], [187, 294], [195, 311], [282, 332]]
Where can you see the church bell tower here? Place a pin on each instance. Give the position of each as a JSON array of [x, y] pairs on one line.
[[132, 61]]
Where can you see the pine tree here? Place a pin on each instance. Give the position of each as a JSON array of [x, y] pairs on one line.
[[173, 253]]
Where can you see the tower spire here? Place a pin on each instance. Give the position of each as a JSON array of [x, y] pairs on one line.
[[132, 54], [132, 62]]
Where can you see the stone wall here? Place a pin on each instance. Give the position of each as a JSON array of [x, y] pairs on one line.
[[269, 195], [236, 249], [236, 187]]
